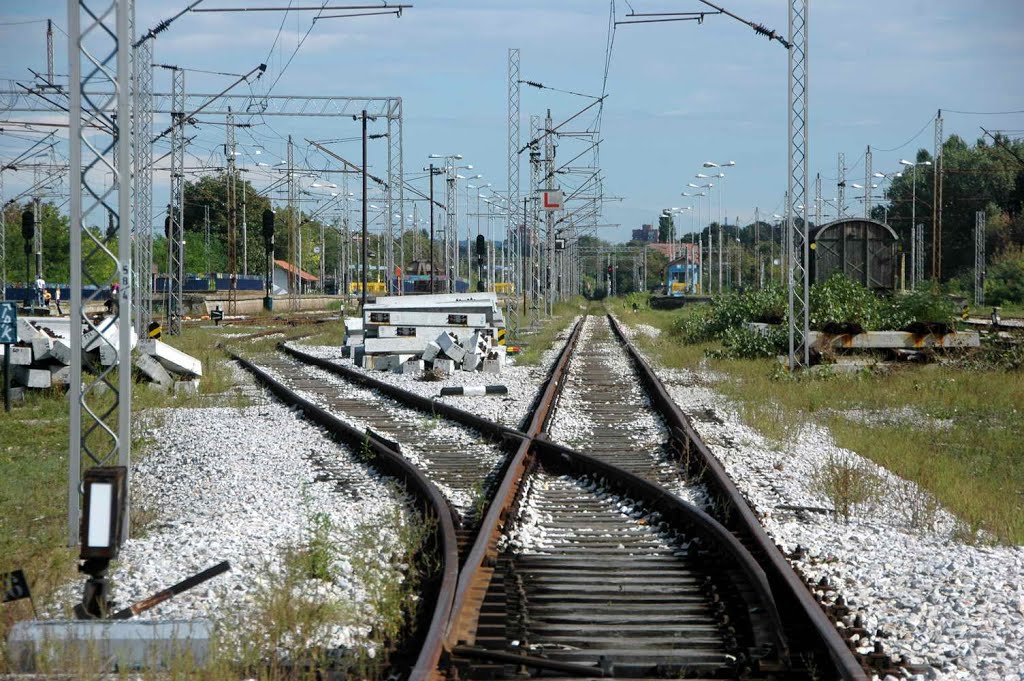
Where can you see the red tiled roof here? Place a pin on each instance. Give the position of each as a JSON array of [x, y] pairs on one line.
[[288, 267]]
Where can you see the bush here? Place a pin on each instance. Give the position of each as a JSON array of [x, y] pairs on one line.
[[841, 305], [740, 342], [1005, 279]]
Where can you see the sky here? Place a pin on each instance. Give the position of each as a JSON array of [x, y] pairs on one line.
[[678, 94]]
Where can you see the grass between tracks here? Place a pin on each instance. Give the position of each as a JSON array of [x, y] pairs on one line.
[[538, 341], [955, 431], [34, 468]]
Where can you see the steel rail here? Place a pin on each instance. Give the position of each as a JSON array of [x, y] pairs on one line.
[[484, 551], [786, 584], [391, 461]]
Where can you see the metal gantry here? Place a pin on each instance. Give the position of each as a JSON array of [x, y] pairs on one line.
[[176, 208], [513, 233], [841, 186], [868, 176], [797, 243], [3, 241], [99, 57]]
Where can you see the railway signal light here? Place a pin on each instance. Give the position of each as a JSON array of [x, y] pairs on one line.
[[28, 229], [268, 228]]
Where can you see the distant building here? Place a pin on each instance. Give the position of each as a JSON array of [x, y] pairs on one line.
[[646, 233], [288, 278]]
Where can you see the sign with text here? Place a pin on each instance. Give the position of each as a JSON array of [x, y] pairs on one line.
[[8, 323], [552, 200]]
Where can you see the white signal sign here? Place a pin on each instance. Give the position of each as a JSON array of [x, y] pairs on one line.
[[553, 200]]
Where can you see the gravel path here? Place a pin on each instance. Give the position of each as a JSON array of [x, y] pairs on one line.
[[955, 606], [245, 485]]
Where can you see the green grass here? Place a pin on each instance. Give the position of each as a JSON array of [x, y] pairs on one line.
[[972, 461], [541, 340]]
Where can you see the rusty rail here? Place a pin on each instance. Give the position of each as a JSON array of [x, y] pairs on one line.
[[789, 590], [391, 461]]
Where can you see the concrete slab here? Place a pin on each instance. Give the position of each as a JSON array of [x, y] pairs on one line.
[[416, 318], [20, 356], [431, 351], [491, 366], [174, 360], [471, 362], [430, 332], [107, 646], [31, 378], [153, 370], [60, 376], [444, 366], [449, 347], [26, 331], [188, 387], [41, 347], [61, 351], [413, 366], [408, 345]]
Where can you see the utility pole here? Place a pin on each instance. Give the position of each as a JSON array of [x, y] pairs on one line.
[[937, 202], [432, 268], [245, 237], [176, 208], [841, 186], [867, 183], [229, 153], [294, 281], [206, 228], [513, 235], [365, 206], [979, 257], [549, 171]]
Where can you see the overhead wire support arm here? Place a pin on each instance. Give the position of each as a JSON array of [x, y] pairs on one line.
[[165, 24], [304, 8], [579, 113], [760, 29], [664, 17], [243, 79]]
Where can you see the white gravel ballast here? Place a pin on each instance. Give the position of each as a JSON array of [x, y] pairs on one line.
[[244, 485], [921, 592]]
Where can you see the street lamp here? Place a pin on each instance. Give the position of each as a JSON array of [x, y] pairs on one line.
[[712, 164], [913, 220]]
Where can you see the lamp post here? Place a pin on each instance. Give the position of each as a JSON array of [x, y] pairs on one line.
[[710, 185], [451, 209], [433, 171], [913, 219]]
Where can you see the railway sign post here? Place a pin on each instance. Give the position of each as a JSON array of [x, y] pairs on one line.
[[8, 336], [553, 200]]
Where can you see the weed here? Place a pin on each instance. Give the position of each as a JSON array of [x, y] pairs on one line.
[[847, 481]]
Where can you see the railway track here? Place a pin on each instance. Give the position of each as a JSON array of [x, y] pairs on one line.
[[590, 561]]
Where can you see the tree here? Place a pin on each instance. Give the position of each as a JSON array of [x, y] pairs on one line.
[[666, 230], [211, 191]]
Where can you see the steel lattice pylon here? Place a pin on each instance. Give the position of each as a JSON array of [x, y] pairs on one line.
[[513, 242], [176, 207], [536, 266], [451, 228], [142, 194], [797, 245], [3, 242], [99, 56], [979, 257]]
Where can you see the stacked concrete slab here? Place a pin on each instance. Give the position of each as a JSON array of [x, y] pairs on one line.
[[446, 332], [166, 367], [41, 358]]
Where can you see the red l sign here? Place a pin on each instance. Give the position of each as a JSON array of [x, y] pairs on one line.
[[552, 200]]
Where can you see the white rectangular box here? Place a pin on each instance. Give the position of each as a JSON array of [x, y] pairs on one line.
[[428, 332]]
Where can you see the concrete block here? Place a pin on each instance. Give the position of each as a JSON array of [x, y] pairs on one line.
[[61, 351], [491, 366], [367, 362], [153, 370], [419, 318], [895, 339], [107, 328], [433, 300], [174, 360], [41, 347], [31, 378], [445, 366], [413, 366], [352, 341], [471, 362], [388, 346], [26, 331], [108, 646], [353, 324], [108, 355], [385, 362], [346, 350], [428, 332], [358, 353], [20, 356], [60, 376], [188, 387], [450, 347], [431, 351]]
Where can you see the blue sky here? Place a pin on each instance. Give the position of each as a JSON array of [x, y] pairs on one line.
[[679, 93]]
